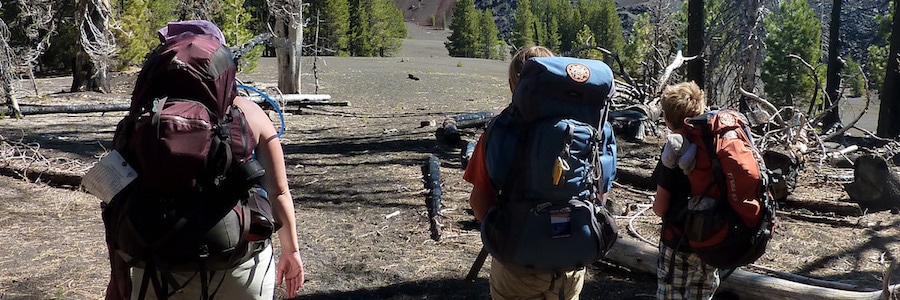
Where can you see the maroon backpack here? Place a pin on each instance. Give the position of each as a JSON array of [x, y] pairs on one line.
[[177, 133], [195, 205]]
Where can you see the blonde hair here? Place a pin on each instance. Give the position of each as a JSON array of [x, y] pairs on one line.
[[518, 60], [680, 101]]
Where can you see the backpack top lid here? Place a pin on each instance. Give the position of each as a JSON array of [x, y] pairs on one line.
[[191, 63], [174, 29], [563, 87]]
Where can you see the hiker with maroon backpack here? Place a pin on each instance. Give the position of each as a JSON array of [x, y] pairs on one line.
[[211, 185], [549, 155], [712, 194]]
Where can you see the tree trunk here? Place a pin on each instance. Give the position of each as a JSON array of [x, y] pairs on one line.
[[6, 72], [643, 257], [832, 85], [695, 32], [888, 122], [89, 73], [749, 44], [288, 52], [57, 109]]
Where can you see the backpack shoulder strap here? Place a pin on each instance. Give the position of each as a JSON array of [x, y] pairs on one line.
[[710, 138]]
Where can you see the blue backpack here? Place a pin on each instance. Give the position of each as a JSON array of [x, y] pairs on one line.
[[551, 155]]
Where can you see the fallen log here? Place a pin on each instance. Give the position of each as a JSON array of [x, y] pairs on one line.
[[642, 257], [300, 99], [638, 177], [466, 154], [73, 109], [474, 120], [432, 171], [54, 178], [289, 98], [449, 132]]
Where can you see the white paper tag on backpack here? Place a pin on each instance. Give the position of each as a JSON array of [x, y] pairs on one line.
[[559, 223], [108, 177]]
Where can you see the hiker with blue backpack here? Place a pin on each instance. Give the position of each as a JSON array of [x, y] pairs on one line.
[[712, 193], [210, 190], [540, 176]]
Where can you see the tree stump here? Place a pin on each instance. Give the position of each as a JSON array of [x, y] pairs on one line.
[[875, 186]]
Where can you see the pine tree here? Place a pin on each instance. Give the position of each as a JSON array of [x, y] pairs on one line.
[[388, 29], [585, 37], [547, 27], [638, 46], [489, 34], [360, 41], [569, 24], [877, 62], [601, 16], [139, 20], [235, 22], [334, 33], [792, 29], [524, 29], [853, 77], [463, 42], [551, 38]]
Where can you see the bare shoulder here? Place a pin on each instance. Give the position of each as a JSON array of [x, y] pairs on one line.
[[248, 107], [258, 119]]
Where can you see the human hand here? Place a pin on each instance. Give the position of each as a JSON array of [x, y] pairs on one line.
[[290, 271]]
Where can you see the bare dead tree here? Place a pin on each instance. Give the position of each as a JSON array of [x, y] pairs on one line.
[[7, 75], [37, 24], [696, 29], [750, 43], [888, 123], [96, 46], [832, 116], [288, 42]]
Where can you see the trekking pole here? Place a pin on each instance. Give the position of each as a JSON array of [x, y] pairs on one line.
[[476, 266]]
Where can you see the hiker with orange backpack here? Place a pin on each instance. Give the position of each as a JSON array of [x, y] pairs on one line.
[[210, 186], [508, 159], [690, 278], [713, 194]]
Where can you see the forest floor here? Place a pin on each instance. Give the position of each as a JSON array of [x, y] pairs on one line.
[[356, 176]]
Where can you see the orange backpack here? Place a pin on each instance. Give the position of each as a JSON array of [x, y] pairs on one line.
[[731, 212]]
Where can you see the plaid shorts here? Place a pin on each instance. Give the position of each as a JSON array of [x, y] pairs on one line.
[[690, 278]]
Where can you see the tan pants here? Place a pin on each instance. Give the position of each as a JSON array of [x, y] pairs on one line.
[[509, 284], [253, 279]]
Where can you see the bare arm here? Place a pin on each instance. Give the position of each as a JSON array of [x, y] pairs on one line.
[[271, 156], [481, 200], [661, 202]]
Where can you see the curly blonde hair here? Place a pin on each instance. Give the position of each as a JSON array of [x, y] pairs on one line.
[[680, 101], [518, 60]]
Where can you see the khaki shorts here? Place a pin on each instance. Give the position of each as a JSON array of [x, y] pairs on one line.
[[509, 284], [253, 279]]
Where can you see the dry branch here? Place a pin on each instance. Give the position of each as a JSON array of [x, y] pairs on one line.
[[25, 161]]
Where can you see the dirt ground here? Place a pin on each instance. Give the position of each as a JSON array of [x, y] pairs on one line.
[[357, 181]]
